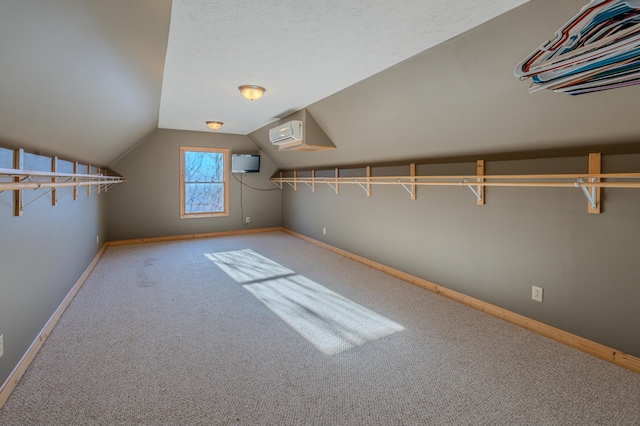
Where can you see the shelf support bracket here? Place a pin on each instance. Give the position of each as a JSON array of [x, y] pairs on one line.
[[99, 171], [480, 188], [313, 181], [54, 192], [591, 195], [475, 192], [595, 168], [18, 163], [368, 190], [412, 170], [88, 186], [365, 189], [75, 188], [409, 190]]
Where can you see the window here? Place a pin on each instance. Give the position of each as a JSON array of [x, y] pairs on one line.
[[204, 182]]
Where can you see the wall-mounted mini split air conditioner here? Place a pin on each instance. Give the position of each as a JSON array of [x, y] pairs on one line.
[[299, 132], [286, 133]]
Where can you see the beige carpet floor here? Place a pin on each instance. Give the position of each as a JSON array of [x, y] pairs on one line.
[[160, 334]]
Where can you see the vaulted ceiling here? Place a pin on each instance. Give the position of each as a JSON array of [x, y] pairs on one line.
[[416, 79], [460, 99], [301, 51], [81, 79]]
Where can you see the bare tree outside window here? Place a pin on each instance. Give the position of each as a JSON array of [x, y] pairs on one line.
[[203, 182]]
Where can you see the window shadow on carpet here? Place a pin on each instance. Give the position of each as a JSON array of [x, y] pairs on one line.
[[329, 321]]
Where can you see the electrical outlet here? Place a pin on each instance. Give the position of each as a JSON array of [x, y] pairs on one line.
[[536, 293], [247, 219], [324, 231], [1, 345]]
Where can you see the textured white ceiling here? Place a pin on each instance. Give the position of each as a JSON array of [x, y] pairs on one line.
[[301, 51]]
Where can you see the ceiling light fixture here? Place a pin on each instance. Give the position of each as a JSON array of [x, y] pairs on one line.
[[214, 125], [252, 92]]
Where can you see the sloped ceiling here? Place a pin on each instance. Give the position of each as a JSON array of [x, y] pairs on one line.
[[86, 80], [460, 99], [81, 79], [301, 51]]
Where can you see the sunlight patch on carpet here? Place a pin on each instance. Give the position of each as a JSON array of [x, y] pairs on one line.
[[330, 322], [246, 266]]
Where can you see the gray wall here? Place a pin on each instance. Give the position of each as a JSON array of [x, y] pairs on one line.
[[461, 98], [587, 264], [147, 205], [42, 255], [81, 79]]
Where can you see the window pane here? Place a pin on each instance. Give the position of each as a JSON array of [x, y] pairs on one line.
[[204, 197], [203, 182], [203, 166]]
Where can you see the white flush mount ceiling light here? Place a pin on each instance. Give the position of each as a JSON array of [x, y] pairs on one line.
[[214, 125], [252, 92]]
